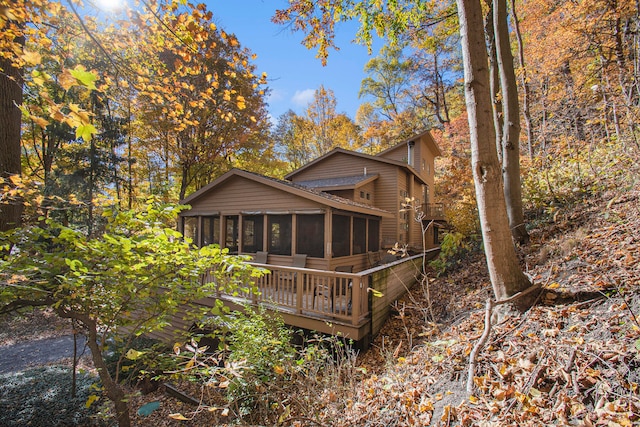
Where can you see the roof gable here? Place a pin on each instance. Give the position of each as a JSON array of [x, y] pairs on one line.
[[289, 187], [424, 136], [338, 151]]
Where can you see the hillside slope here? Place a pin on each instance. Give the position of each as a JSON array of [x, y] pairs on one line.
[[571, 359]]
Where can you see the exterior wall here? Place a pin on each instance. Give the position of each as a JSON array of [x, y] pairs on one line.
[[392, 282], [345, 194], [241, 195], [384, 190], [426, 169], [423, 160], [368, 189]]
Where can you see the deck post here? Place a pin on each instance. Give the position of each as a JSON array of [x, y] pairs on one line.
[[356, 296], [300, 286]]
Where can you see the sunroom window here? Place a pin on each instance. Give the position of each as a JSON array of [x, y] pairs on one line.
[[279, 234], [252, 226], [310, 235]]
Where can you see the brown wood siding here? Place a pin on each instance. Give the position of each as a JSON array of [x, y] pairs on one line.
[[398, 153], [424, 153], [416, 228], [369, 189], [392, 282], [345, 194], [359, 262], [398, 233], [242, 195], [385, 189]]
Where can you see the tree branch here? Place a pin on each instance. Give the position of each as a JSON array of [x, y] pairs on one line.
[[487, 331]]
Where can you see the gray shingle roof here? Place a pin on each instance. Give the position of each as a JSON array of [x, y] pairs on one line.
[[335, 182]]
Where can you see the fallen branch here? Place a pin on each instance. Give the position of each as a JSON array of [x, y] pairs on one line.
[[487, 331]]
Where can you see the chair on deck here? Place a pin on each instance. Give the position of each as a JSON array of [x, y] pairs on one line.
[[326, 290], [299, 260], [261, 257], [289, 279]]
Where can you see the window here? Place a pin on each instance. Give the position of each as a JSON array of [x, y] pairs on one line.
[[310, 235], [368, 196], [231, 233], [252, 227], [279, 234], [374, 235], [341, 235], [436, 235], [190, 228], [210, 230], [359, 235], [362, 194]]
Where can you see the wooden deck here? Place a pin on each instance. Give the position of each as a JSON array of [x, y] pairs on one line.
[[330, 302]]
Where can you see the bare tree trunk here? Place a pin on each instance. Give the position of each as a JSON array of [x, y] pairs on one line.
[[511, 123], [506, 275], [526, 95], [113, 390], [494, 77], [10, 123]]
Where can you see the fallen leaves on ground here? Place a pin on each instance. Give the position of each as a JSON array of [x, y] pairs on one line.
[[573, 359]]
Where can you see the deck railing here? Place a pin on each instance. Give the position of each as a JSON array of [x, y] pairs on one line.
[[433, 211], [334, 296]]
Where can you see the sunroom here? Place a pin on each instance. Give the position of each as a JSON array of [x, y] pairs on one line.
[[281, 223]]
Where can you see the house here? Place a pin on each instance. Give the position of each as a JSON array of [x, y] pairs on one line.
[[337, 209], [323, 234]]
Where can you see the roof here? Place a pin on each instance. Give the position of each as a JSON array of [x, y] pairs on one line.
[[292, 188], [336, 151], [341, 183]]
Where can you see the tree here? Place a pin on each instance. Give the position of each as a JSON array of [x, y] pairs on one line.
[[388, 82], [301, 139], [12, 38], [121, 284], [506, 275], [510, 144], [203, 96], [395, 18]]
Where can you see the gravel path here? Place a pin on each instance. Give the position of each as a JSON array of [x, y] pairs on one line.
[[17, 357]]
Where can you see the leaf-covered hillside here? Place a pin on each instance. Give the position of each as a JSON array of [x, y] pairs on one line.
[[571, 360]]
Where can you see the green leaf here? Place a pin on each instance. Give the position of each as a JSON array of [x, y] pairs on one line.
[[87, 78], [134, 354], [86, 132], [638, 344]]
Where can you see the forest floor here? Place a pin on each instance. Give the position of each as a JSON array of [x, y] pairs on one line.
[[573, 359]]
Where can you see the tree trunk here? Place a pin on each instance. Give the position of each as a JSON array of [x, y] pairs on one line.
[[526, 95], [113, 390], [506, 276], [511, 123], [494, 77], [10, 123]]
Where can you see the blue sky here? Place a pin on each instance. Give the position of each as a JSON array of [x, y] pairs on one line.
[[294, 72]]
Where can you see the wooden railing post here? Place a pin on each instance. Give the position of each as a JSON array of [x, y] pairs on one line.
[[300, 286], [356, 296]]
